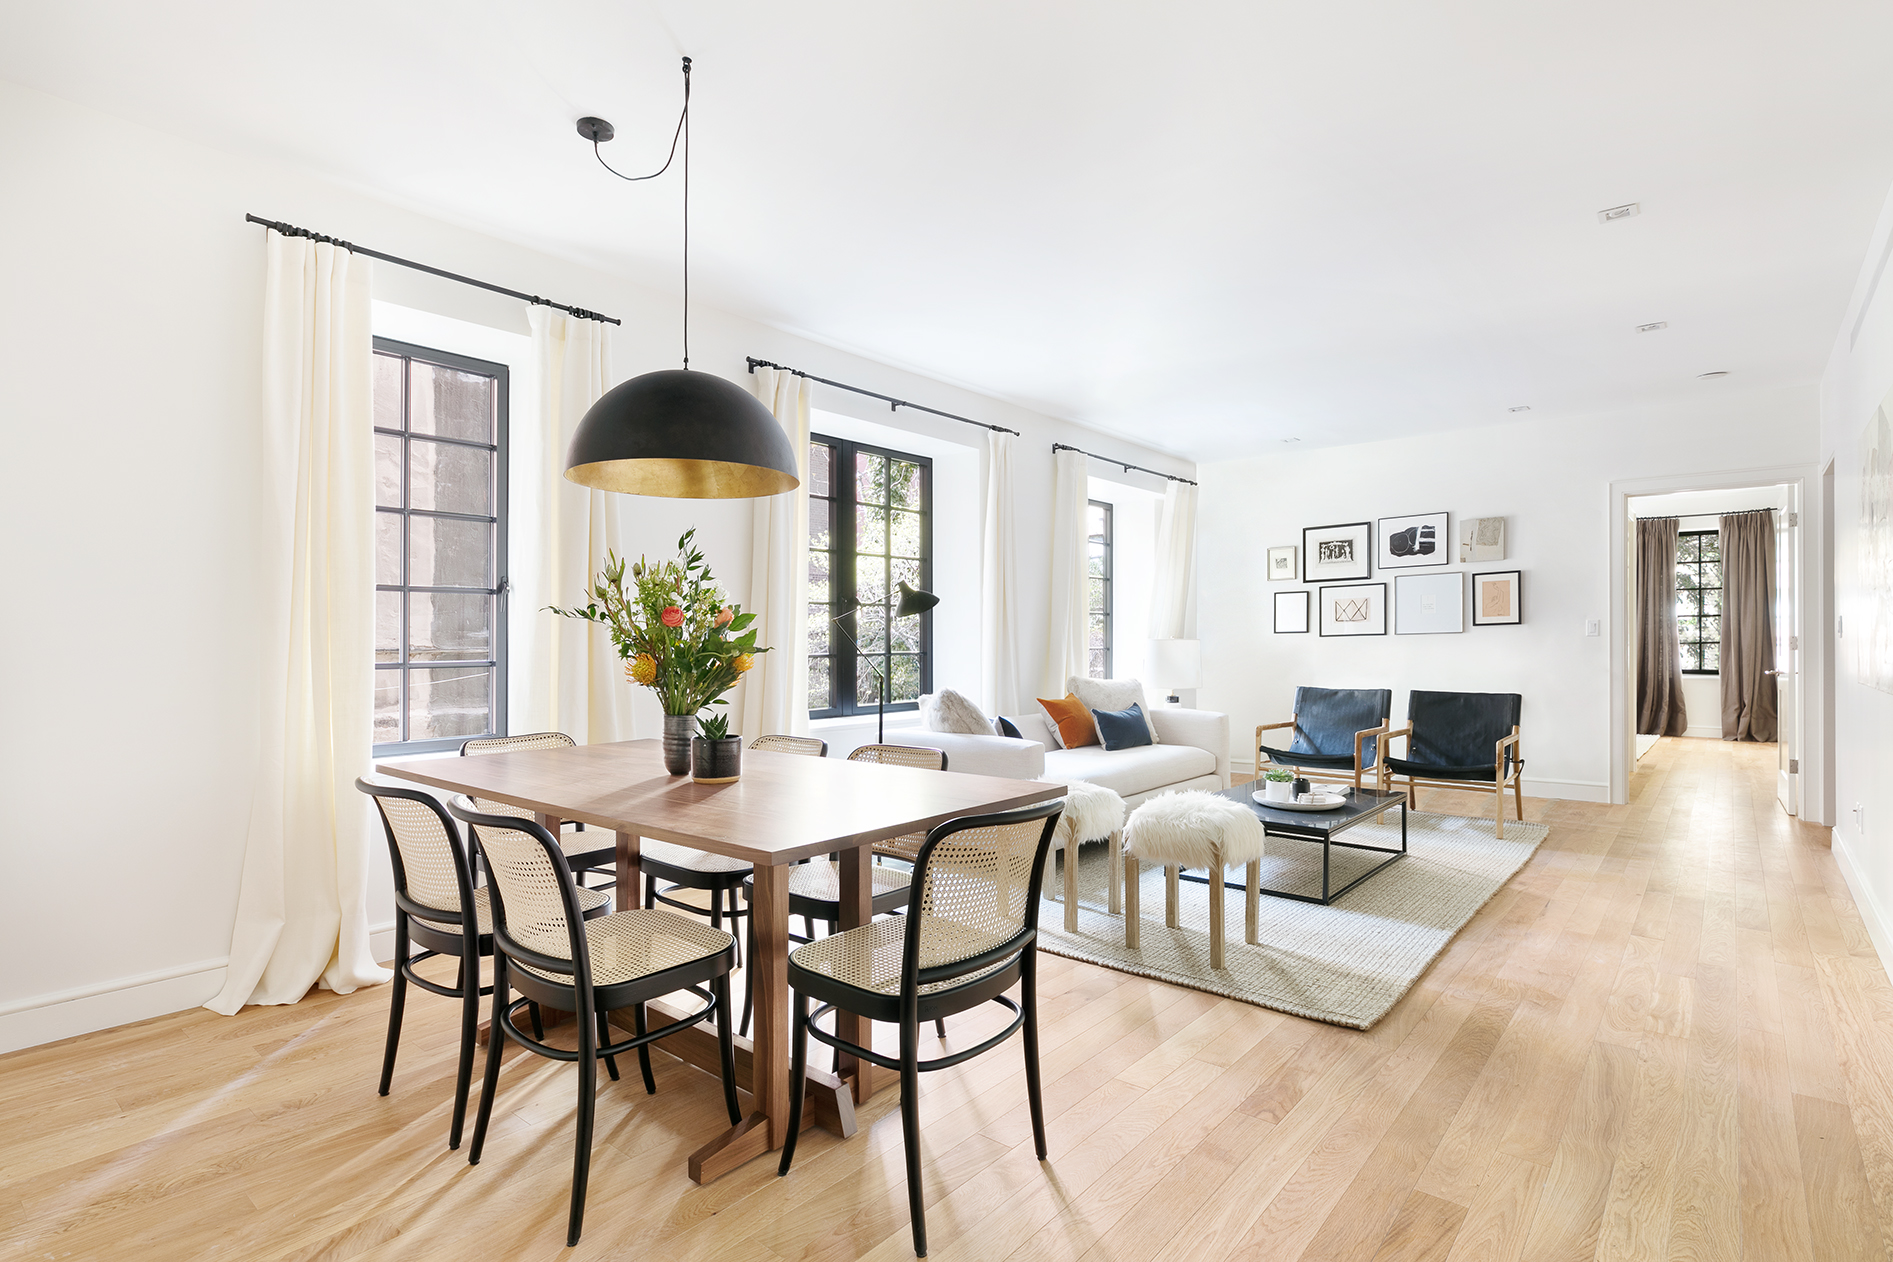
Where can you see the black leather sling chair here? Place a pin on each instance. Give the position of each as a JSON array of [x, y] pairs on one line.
[[1330, 726], [1462, 740]]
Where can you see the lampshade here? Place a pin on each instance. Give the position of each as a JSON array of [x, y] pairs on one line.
[[686, 435], [913, 601], [1176, 663]]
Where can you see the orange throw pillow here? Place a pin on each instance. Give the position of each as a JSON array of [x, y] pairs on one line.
[[1074, 722]]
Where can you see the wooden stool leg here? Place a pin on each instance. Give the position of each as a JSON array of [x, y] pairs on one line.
[[1133, 920], [1071, 885], [1171, 874], [1252, 903], [1115, 843], [1216, 900]]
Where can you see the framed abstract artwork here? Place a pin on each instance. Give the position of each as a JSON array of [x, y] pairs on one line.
[[1498, 599], [1429, 604], [1481, 539], [1406, 542], [1336, 553], [1354, 609], [1291, 613], [1282, 564]]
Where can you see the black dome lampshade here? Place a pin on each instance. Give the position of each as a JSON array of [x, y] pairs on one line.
[[913, 601], [685, 435]]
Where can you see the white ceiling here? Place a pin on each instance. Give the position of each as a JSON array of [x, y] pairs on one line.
[[1208, 225]]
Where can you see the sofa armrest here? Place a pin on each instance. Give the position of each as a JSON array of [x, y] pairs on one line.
[[1205, 729], [975, 755]]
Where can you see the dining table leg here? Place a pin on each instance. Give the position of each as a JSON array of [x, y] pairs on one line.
[[857, 909]]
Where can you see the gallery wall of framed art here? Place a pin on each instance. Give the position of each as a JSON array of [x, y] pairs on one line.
[[1426, 599]]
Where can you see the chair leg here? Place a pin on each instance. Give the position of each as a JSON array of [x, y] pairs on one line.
[[650, 892], [1029, 1002], [749, 987], [604, 1040], [489, 1086], [1171, 874], [1113, 844], [939, 1026], [910, 1130], [726, 1045], [538, 1025], [1133, 917], [1217, 897], [397, 1000], [1071, 885], [1252, 903], [1498, 812], [1518, 798], [582, 1156], [644, 1052], [798, 1079], [469, 1039]]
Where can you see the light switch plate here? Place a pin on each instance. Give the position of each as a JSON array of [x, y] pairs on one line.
[[1593, 626]]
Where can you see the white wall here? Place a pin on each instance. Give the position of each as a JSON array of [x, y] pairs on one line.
[[1859, 376], [129, 347], [1550, 480]]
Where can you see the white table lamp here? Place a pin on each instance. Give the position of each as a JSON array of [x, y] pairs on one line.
[[1176, 665]]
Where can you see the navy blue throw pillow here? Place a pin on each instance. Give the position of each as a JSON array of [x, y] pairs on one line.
[[1006, 728], [1121, 729]]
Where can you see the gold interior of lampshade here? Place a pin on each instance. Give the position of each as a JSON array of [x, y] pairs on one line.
[[684, 479]]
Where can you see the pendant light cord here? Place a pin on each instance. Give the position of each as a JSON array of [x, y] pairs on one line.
[[683, 132]]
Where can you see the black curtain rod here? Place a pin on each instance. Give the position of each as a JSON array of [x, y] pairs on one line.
[[1120, 464], [892, 402], [290, 230]]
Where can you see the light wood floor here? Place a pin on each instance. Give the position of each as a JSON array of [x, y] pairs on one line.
[[1667, 1038]]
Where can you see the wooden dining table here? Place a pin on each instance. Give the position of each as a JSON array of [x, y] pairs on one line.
[[784, 809]]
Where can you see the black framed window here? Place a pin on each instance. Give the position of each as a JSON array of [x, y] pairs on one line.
[[440, 548], [1098, 585], [870, 528], [1699, 600]]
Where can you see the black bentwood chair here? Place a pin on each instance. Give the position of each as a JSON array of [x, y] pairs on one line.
[[588, 853], [543, 947], [1330, 725], [971, 933], [1463, 740], [437, 908]]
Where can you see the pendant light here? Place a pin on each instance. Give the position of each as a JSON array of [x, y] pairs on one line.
[[678, 433]]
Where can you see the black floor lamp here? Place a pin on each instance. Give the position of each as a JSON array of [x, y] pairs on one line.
[[912, 601]]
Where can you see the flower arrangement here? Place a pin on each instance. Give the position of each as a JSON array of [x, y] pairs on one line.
[[672, 627]]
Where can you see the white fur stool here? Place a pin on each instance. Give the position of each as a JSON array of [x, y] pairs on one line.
[[1092, 813], [1194, 829]]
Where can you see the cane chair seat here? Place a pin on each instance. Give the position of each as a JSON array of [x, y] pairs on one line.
[[820, 881], [588, 900], [869, 958], [906, 848], [637, 943], [688, 860]]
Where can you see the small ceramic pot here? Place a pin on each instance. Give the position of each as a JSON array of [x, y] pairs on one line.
[[678, 731], [716, 762], [1301, 786], [1278, 791]]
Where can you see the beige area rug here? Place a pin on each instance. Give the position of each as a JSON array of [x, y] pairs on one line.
[[1346, 963]]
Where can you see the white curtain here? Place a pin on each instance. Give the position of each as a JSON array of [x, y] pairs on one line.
[[574, 678], [999, 655], [775, 692], [1176, 564], [302, 913], [1065, 650]]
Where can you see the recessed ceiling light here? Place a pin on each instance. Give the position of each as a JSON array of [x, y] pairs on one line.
[[1651, 328], [1705, 376], [1523, 407], [1291, 440], [1619, 212]]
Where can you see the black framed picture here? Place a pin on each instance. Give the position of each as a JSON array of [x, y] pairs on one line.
[[1291, 613], [1354, 609], [1498, 598], [1420, 539], [1336, 553]]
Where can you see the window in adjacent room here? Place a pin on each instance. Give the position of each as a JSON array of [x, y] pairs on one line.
[[440, 548], [870, 527], [1699, 600], [1098, 584]]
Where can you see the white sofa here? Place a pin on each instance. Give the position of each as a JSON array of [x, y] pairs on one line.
[[1192, 753]]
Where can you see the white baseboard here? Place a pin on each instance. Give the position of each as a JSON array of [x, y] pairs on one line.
[[381, 942], [63, 1014], [1570, 790], [1703, 733], [1872, 913]]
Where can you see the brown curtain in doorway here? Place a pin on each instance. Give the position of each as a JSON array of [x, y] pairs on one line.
[[1748, 626], [1659, 656]]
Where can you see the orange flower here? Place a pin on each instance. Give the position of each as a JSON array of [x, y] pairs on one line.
[[724, 615], [642, 669], [672, 616], [743, 662]]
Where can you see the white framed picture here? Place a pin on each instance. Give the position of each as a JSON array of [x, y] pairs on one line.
[[1291, 613], [1429, 604], [1498, 599], [1336, 553], [1282, 564], [1354, 609], [1406, 542]]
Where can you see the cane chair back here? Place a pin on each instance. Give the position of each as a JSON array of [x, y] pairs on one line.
[[976, 889], [905, 848], [537, 900], [430, 867], [508, 744], [813, 747]]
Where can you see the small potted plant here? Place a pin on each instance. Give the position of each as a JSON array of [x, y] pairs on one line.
[[716, 757], [1278, 785]]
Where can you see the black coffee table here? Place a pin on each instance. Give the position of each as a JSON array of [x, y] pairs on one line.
[[1321, 828]]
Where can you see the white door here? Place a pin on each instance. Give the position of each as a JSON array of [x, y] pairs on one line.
[[1787, 662]]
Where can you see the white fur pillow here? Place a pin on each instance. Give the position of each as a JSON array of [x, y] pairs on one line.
[[1112, 694], [950, 711]]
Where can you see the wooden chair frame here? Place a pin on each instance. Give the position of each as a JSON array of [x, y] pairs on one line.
[[1501, 779], [1328, 775]]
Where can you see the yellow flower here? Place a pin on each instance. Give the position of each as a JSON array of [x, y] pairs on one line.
[[743, 662], [642, 669]]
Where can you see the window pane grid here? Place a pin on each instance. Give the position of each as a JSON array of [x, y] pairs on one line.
[[1098, 584], [1699, 601]]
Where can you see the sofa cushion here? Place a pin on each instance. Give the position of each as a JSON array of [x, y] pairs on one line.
[[1128, 771], [1112, 694], [950, 711], [1122, 729]]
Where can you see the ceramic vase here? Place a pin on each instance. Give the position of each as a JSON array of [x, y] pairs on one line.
[[716, 762], [678, 731]]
